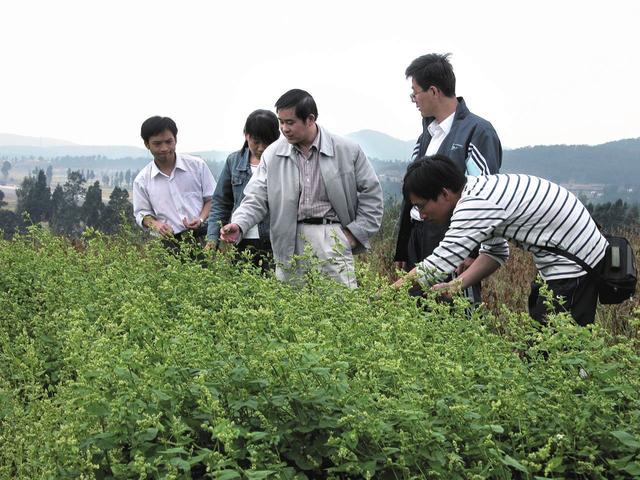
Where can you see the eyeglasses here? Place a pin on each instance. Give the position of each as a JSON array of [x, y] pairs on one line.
[[413, 95]]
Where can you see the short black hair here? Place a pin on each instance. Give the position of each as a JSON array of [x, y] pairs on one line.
[[300, 99], [262, 125], [433, 69], [428, 176], [156, 125]]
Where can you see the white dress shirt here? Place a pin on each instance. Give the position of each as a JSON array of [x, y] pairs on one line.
[[170, 198], [438, 132]]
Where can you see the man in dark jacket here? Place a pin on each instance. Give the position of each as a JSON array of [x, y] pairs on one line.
[[450, 129]]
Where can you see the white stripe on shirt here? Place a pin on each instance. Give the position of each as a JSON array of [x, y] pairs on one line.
[[531, 212]]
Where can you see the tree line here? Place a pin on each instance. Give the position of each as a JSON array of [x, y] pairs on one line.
[[69, 209], [616, 215]]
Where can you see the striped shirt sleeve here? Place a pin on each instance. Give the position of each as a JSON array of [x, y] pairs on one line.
[[472, 224]]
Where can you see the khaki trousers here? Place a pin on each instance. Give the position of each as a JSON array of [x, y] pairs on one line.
[[329, 245]]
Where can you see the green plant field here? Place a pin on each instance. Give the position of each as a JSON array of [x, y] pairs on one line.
[[117, 361], [509, 286]]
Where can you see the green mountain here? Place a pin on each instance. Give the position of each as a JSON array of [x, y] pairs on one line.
[[612, 163]]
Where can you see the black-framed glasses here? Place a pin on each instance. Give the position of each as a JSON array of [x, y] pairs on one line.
[[413, 95]]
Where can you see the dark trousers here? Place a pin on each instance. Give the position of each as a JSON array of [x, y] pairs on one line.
[[421, 245], [192, 240], [259, 251], [580, 297]]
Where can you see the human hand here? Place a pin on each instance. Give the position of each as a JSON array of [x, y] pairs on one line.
[[192, 224], [162, 228], [400, 265], [447, 289], [230, 233], [353, 243], [210, 246], [466, 263]]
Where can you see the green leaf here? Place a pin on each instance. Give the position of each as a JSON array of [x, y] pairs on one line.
[[633, 468], [104, 441], [149, 434], [122, 373], [555, 464], [258, 474], [181, 464], [626, 439], [171, 451], [512, 462], [497, 428], [257, 435], [226, 474]]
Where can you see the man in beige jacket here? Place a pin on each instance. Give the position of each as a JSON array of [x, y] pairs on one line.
[[318, 188]]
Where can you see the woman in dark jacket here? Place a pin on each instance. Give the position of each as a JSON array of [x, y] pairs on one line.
[[260, 130]]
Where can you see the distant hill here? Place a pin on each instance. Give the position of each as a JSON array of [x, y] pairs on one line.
[[74, 151], [613, 163], [382, 146], [8, 139]]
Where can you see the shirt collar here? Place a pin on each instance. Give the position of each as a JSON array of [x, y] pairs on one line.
[[444, 127], [316, 142], [179, 164]]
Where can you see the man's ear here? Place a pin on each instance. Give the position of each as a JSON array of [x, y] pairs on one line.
[[310, 118], [146, 144], [450, 196]]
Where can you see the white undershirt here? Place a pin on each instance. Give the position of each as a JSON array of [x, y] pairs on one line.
[[253, 232]]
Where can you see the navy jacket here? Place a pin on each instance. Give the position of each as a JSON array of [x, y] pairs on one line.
[[473, 144]]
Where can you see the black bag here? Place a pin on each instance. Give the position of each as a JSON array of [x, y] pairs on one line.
[[618, 276]]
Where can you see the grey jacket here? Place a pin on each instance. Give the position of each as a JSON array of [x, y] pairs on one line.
[[351, 183]]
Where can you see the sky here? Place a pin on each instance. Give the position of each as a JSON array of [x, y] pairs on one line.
[[543, 72]]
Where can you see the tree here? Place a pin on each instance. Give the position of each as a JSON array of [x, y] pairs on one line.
[[117, 209], [49, 175], [6, 167], [65, 212], [92, 209], [34, 197], [10, 223], [2, 202]]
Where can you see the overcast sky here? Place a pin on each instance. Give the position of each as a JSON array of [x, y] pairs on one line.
[[90, 72]]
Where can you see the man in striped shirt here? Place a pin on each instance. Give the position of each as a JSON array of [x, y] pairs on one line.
[[487, 211]]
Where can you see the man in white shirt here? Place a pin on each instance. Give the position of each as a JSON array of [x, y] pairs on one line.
[[172, 194]]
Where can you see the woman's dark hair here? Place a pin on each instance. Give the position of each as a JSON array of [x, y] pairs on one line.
[[428, 176], [303, 102], [262, 125], [156, 125]]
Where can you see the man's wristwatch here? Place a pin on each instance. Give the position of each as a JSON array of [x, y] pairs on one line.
[[201, 221]]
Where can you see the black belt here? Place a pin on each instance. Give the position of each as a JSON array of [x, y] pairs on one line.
[[318, 221]]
